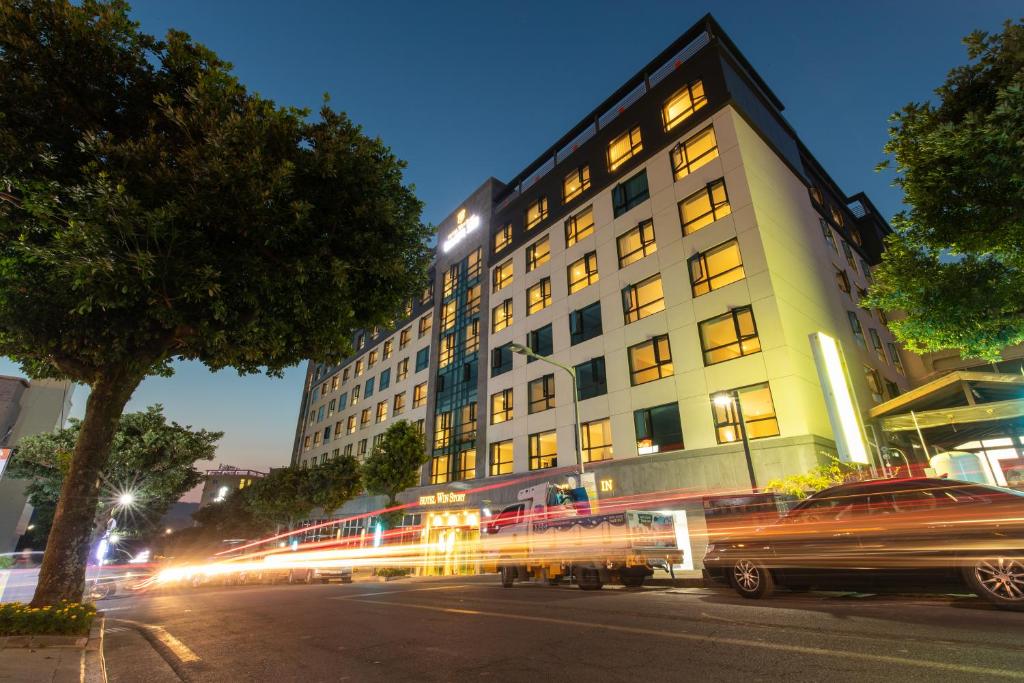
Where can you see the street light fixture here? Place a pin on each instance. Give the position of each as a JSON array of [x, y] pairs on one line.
[[126, 499], [527, 351], [729, 399]]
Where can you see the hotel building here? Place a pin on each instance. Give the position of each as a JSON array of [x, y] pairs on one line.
[[679, 244]]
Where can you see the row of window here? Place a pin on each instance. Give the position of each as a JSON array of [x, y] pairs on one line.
[[364, 418], [366, 390], [361, 449], [687, 156]]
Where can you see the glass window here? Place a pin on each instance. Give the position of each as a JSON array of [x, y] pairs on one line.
[[501, 277], [447, 353], [439, 469], [467, 422], [424, 325], [579, 226], [501, 407], [385, 379], [848, 253], [876, 344], [538, 253], [359, 368], [364, 418], [540, 342], [624, 147], [355, 394], [350, 426], [347, 450], [541, 394], [597, 440], [758, 415], [442, 429], [403, 369], [658, 429], [837, 216], [591, 380], [704, 207], [371, 359], [474, 263], [473, 300], [360, 341], [419, 395], [389, 347], [582, 273], [501, 316], [450, 281], [643, 299], [427, 295], [465, 464], [334, 383], [501, 359], [816, 195], [729, 336], [472, 336], [501, 458], [650, 360], [344, 375], [842, 281], [448, 315], [585, 323], [874, 383], [382, 411], [694, 152], [543, 450], [422, 358], [538, 297], [404, 337], [536, 212], [682, 104], [334, 402], [307, 443], [399, 404], [361, 451], [894, 356], [503, 237], [630, 193], [576, 182], [637, 243], [716, 268], [826, 231], [342, 401], [858, 331]]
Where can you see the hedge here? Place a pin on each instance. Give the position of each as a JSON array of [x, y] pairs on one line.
[[67, 618]]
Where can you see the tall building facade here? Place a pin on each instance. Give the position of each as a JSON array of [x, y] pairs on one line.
[[677, 245]]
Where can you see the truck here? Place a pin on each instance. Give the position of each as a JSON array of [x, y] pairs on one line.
[[552, 532]]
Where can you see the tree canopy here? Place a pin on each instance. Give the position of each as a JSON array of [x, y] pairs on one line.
[[152, 208], [394, 464], [151, 457], [955, 264]]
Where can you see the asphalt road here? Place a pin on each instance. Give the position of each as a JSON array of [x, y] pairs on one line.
[[472, 629]]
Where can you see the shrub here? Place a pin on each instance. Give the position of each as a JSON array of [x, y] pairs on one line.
[[388, 572], [65, 619]]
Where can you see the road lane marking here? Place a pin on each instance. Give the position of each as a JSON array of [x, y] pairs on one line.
[[176, 647], [387, 592], [739, 642]]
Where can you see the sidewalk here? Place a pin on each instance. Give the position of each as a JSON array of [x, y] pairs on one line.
[[54, 659]]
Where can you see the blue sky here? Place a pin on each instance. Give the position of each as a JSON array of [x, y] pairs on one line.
[[464, 91]]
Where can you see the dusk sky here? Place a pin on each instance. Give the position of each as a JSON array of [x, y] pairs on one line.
[[464, 91]]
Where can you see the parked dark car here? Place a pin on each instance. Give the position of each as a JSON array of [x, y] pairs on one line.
[[884, 533]]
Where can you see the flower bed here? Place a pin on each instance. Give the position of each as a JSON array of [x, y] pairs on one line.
[[65, 619]]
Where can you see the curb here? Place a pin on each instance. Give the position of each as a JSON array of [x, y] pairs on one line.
[[695, 582], [94, 666]]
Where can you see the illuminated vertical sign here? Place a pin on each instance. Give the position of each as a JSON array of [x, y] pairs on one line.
[[839, 399]]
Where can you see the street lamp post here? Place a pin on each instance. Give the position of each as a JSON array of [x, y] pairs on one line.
[[732, 398], [527, 351]]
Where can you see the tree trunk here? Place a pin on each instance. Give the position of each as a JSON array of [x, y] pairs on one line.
[[62, 575]]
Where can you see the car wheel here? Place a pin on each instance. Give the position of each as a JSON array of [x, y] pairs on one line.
[[1000, 580], [633, 580], [508, 575], [589, 580], [751, 579]]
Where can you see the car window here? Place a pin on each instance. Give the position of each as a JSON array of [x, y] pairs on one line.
[[825, 509]]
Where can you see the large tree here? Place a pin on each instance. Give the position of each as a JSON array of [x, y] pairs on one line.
[[331, 484], [394, 464], [151, 458], [955, 265], [153, 209]]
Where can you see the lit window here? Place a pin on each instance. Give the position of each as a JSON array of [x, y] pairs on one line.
[[894, 356], [848, 253], [536, 212], [501, 407], [448, 315], [447, 351], [637, 243], [450, 281], [837, 216], [442, 430], [424, 325], [503, 237], [360, 341], [842, 281], [334, 383], [474, 263], [399, 404], [389, 347], [858, 331], [501, 316], [597, 440], [643, 299], [472, 336], [729, 336], [694, 152], [682, 104], [351, 424], [502, 276], [364, 418], [306, 443], [404, 338], [330, 408], [650, 360], [382, 411], [716, 268], [501, 458], [538, 297], [473, 300], [543, 450], [359, 368], [541, 394], [419, 395], [355, 394], [428, 294], [344, 375], [758, 415], [855, 236], [816, 195], [576, 183], [583, 273], [704, 207], [467, 422], [579, 226], [585, 323], [538, 253], [630, 193], [465, 464], [874, 383], [371, 359], [658, 429], [439, 469], [624, 148], [403, 370]]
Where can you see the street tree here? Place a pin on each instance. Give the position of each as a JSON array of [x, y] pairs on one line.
[[331, 484], [955, 264], [150, 458], [394, 464], [153, 209], [281, 498]]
